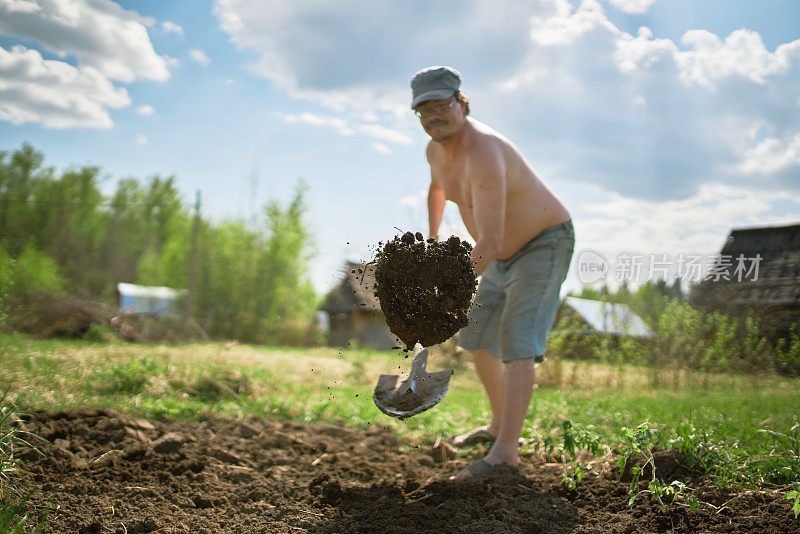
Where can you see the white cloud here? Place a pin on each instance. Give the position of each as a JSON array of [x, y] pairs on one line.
[[694, 227], [200, 57], [386, 134], [381, 148], [414, 201], [229, 82], [320, 120], [146, 110], [696, 224], [635, 7], [563, 27], [708, 59], [772, 155], [376, 131], [299, 46], [655, 120], [580, 96], [98, 33], [171, 27], [741, 54], [141, 140], [54, 93], [22, 6], [642, 51], [98, 42]]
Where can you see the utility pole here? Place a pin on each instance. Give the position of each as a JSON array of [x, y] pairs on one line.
[[190, 301]]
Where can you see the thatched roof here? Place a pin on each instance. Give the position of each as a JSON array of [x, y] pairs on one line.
[[352, 292]]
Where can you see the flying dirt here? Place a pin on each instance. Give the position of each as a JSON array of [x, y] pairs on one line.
[[425, 289]]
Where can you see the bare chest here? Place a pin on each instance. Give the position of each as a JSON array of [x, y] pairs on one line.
[[453, 179]]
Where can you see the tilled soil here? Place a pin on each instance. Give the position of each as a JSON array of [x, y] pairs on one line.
[[106, 472], [424, 291]]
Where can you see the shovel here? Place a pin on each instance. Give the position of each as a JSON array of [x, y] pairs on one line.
[[418, 392]]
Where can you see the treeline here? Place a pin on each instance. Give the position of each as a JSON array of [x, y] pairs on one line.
[[60, 233]]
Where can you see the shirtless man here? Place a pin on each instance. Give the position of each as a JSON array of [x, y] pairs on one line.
[[523, 246]]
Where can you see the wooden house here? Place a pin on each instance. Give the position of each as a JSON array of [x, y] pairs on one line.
[[770, 287], [354, 312]]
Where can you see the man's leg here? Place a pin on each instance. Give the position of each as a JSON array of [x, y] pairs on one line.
[[518, 379], [490, 371]]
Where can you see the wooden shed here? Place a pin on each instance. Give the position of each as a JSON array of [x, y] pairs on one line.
[[147, 300], [771, 288], [354, 312]]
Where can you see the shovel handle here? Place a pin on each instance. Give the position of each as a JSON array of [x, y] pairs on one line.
[[420, 361]]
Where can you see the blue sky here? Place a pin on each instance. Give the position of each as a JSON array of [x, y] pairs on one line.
[[660, 123]]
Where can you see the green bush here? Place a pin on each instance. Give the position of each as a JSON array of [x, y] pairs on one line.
[[100, 334], [34, 270]]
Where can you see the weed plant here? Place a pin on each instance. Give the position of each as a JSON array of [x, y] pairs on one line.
[[14, 517]]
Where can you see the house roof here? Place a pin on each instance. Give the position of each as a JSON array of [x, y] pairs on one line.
[[778, 280], [610, 318], [353, 292], [165, 293]]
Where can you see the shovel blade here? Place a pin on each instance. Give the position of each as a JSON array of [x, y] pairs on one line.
[[401, 401]]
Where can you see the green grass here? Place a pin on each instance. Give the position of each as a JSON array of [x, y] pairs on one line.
[[14, 517], [737, 428]]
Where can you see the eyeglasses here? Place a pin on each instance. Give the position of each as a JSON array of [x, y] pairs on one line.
[[438, 109]]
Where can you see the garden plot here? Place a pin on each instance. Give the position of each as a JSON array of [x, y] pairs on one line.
[[100, 471]]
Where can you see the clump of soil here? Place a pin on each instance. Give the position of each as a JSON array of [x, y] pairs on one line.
[[424, 291]]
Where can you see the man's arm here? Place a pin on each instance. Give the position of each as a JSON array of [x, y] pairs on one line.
[[436, 202], [487, 175]]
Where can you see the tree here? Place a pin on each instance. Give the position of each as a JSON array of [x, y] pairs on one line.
[[19, 175]]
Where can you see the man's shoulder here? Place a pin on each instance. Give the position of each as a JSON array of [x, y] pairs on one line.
[[483, 137], [431, 149], [484, 143]]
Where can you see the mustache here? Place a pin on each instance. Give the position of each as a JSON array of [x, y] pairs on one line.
[[435, 122]]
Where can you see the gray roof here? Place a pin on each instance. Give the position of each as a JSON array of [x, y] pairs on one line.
[[610, 318], [778, 282]]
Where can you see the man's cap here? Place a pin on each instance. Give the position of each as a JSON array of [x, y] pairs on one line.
[[434, 83]]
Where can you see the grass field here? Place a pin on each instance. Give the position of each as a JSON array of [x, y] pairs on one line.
[[739, 429]]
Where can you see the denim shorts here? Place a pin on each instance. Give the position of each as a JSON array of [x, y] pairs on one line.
[[517, 298]]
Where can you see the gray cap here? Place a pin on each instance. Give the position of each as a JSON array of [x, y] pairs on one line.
[[434, 83]]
